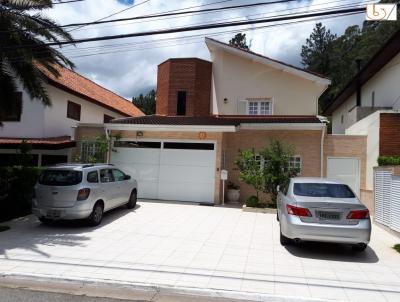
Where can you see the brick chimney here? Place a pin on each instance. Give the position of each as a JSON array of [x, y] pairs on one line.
[[184, 87]]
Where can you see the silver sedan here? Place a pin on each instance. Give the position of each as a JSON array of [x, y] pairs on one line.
[[317, 209]]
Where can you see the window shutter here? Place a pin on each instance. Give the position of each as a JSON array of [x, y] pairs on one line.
[[242, 107]]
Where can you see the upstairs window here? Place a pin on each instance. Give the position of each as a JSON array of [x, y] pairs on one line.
[[181, 103], [74, 111], [13, 111], [259, 107]]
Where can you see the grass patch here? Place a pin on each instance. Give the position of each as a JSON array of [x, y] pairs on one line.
[[397, 247], [4, 228]]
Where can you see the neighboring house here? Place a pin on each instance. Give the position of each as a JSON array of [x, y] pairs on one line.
[[49, 130], [369, 106], [208, 111]]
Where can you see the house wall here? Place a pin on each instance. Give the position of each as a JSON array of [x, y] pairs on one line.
[[40, 121], [389, 134], [307, 145], [236, 78], [191, 75], [385, 85]]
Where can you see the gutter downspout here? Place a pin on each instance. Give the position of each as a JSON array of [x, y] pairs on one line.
[[322, 150], [107, 133]]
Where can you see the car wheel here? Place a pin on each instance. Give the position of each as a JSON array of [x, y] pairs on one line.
[[284, 240], [46, 221], [360, 247], [132, 200], [97, 215]]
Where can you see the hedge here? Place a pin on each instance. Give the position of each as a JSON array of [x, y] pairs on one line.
[[16, 191], [388, 160]]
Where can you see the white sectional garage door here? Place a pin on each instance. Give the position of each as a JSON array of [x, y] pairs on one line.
[[170, 170], [345, 169]]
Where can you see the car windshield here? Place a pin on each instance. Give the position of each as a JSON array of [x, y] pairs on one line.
[[60, 177], [323, 190]]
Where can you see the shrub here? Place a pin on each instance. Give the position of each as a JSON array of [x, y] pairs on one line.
[[252, 202], [16, 191], [397, 247], [388, 160]]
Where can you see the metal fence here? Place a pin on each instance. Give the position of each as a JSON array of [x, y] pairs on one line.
[[387, 198]]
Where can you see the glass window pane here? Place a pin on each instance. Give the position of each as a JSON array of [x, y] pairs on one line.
[[118, 175]]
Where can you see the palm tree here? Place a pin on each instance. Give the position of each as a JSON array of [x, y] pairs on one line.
[[24, 32]]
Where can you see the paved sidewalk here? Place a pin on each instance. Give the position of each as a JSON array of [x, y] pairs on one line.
[[177, 245]]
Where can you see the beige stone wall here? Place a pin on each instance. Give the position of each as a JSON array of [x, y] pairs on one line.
[[347, 146], [306, 143]]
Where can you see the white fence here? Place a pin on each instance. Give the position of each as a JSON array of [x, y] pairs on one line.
[[387, 198]]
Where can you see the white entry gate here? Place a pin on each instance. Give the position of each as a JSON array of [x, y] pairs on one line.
[[387, 198]]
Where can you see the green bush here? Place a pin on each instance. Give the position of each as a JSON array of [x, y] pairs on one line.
[[16, 191], [252, 202], [388, 160]]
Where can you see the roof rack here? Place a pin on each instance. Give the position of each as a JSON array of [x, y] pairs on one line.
[[83, 165]]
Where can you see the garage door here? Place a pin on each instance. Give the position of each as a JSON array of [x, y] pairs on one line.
[[346, 170], [170, 170]]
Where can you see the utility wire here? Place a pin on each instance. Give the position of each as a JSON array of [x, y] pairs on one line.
[[188, 28], [66, 2]]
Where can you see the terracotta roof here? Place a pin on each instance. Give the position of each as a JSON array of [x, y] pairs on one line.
[[377, 62], [80, 86], [268, 58], [49, 143], [225, 120]]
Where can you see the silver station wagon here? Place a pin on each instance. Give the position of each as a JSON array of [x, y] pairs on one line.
[[316, 209], [82, 191]]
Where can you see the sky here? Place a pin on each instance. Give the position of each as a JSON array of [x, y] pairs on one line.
[[129, 66]]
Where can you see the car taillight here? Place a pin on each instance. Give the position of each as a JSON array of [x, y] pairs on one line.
[[83, 194], [293, 210], [358, 214]]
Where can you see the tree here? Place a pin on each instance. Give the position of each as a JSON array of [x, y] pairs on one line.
[[273, 170], [239, 41], [22, 24], [146, 103]]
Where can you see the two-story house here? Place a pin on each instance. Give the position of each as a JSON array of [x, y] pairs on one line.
[[369, 105], [49, 129], [209, 110]]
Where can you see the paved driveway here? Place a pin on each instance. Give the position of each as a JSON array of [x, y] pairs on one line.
[[202, 247]]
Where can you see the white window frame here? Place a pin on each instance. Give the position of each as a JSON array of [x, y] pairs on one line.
[[259, 101], [292, 162]]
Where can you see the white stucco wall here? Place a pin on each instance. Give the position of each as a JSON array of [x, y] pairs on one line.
[[237, 78], [39, 121], [369, 126], [386, 86]]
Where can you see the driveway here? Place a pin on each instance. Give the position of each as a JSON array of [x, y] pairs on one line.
[[202, 247]]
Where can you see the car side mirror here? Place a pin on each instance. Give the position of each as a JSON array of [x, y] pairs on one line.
[[127, 177], [278, 188]]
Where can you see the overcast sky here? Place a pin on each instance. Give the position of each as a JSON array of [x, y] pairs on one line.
[[129, 66]]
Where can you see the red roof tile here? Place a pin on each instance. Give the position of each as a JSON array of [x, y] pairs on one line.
[[82, 87], [222, 120], [45, 143]]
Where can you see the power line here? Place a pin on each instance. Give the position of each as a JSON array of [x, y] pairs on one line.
[[189, 28], [66, 2]]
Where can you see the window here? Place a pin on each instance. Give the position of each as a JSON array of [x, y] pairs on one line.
[[373, 99], [107, 118], [259, 107], [118, 175], [93, 177], [60, 177], [259, 160], [74, 111], [133, 144], [342, 119], [91, 150], [181, 103], [49, 159], [12, 113], [322, 190], [295, 163], [106, 175], [189, 146]]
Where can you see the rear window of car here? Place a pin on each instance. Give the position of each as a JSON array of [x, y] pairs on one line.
[[322, 190], [60, 177]]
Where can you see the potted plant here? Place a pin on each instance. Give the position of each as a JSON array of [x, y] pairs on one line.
[[233, 193]]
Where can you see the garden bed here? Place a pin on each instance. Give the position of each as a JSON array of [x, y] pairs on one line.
[[259, 210]]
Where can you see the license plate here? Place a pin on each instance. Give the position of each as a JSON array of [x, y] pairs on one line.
[[53, 214], [329, 215]]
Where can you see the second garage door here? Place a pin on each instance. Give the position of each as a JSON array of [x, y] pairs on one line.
[[170, 170]]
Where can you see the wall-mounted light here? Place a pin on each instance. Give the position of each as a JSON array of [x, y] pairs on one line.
[[139, 133], [225, 100]]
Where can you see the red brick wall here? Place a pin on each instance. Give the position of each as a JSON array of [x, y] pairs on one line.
[[191, 75], [389, 134]]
